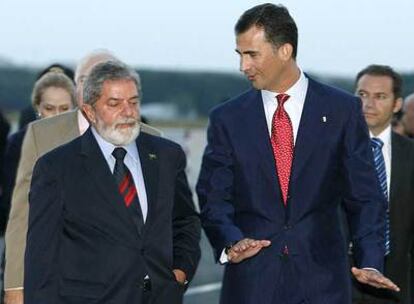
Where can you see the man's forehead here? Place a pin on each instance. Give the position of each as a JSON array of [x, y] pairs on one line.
[[120, 86], [376, 81]]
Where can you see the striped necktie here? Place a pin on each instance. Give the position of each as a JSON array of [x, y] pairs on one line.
[[377, 145], [126, 187]]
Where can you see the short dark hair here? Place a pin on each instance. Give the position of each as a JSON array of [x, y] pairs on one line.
[[384, 70], [277, 23], [109, 70]]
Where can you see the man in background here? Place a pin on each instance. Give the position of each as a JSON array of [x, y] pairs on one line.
[[408, 116], [380, 89]]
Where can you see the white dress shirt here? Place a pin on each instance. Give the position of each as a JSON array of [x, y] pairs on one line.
[[385, 136], [293, 106], [133, 163]]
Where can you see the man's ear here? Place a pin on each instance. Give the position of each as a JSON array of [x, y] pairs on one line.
[[398, 105], [89, 111], [285, 51]]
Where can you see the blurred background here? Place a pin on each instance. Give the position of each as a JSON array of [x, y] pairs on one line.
[[184, 52]]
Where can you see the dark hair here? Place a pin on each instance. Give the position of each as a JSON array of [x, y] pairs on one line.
[[384, 70], [109, 70], [56, 67], [277, 23]]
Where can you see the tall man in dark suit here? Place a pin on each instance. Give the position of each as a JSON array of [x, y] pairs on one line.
[[279, 160], [380, 89], [111, 217]]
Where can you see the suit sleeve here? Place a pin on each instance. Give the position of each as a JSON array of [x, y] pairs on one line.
[[186, 224], [17, 223], [44, 230], [215, 189], [10, 165], [364, 203]]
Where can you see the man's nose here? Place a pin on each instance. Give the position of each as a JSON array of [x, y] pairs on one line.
[[130, 109], [244, 64], [368, 102]]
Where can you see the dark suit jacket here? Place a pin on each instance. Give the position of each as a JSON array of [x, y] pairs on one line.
[[83, 246], [240, 196], [4, 131], [11, 163], [397, 263], [27, 115]]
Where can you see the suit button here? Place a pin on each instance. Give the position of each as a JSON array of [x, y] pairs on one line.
[[143, 251]]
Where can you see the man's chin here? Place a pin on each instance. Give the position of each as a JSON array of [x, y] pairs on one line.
[[257, 85], [121, 136]]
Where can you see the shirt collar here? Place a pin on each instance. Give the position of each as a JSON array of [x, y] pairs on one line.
[[385, 135], [295, 92], [107, 148]]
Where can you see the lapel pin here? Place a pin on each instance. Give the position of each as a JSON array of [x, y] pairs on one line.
[[323, 118], [152, 156]]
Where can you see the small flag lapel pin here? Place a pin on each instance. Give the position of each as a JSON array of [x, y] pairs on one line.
[[152, 156]]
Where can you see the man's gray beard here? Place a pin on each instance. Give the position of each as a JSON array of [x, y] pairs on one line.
[[115, 136]]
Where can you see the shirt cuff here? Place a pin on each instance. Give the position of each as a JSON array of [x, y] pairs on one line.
[[14, 288], [373, 269], [223, 257]]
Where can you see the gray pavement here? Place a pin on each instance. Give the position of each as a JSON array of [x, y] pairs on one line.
[[204, 288]]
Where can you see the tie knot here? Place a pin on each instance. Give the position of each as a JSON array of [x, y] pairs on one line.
[[119, 153], [376, 143], [282, 98]]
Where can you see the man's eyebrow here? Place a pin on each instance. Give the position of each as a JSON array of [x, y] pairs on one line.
[[120, 99], [134, 97], [248, 52]]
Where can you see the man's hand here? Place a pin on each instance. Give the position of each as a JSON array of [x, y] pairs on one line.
[[180, 276], [246, 248], [373, 278], [13, 296]]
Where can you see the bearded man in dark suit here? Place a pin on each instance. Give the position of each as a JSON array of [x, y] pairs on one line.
[[111, 216]]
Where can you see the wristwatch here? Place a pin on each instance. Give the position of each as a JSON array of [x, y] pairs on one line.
[[228, 247]]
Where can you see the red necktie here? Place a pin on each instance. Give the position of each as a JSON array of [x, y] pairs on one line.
[[282, 144]]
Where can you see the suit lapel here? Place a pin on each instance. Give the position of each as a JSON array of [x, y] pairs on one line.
[[397, 166], [259, 134], [150, 166], [104, 183], [253, 127], [310, 127]]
